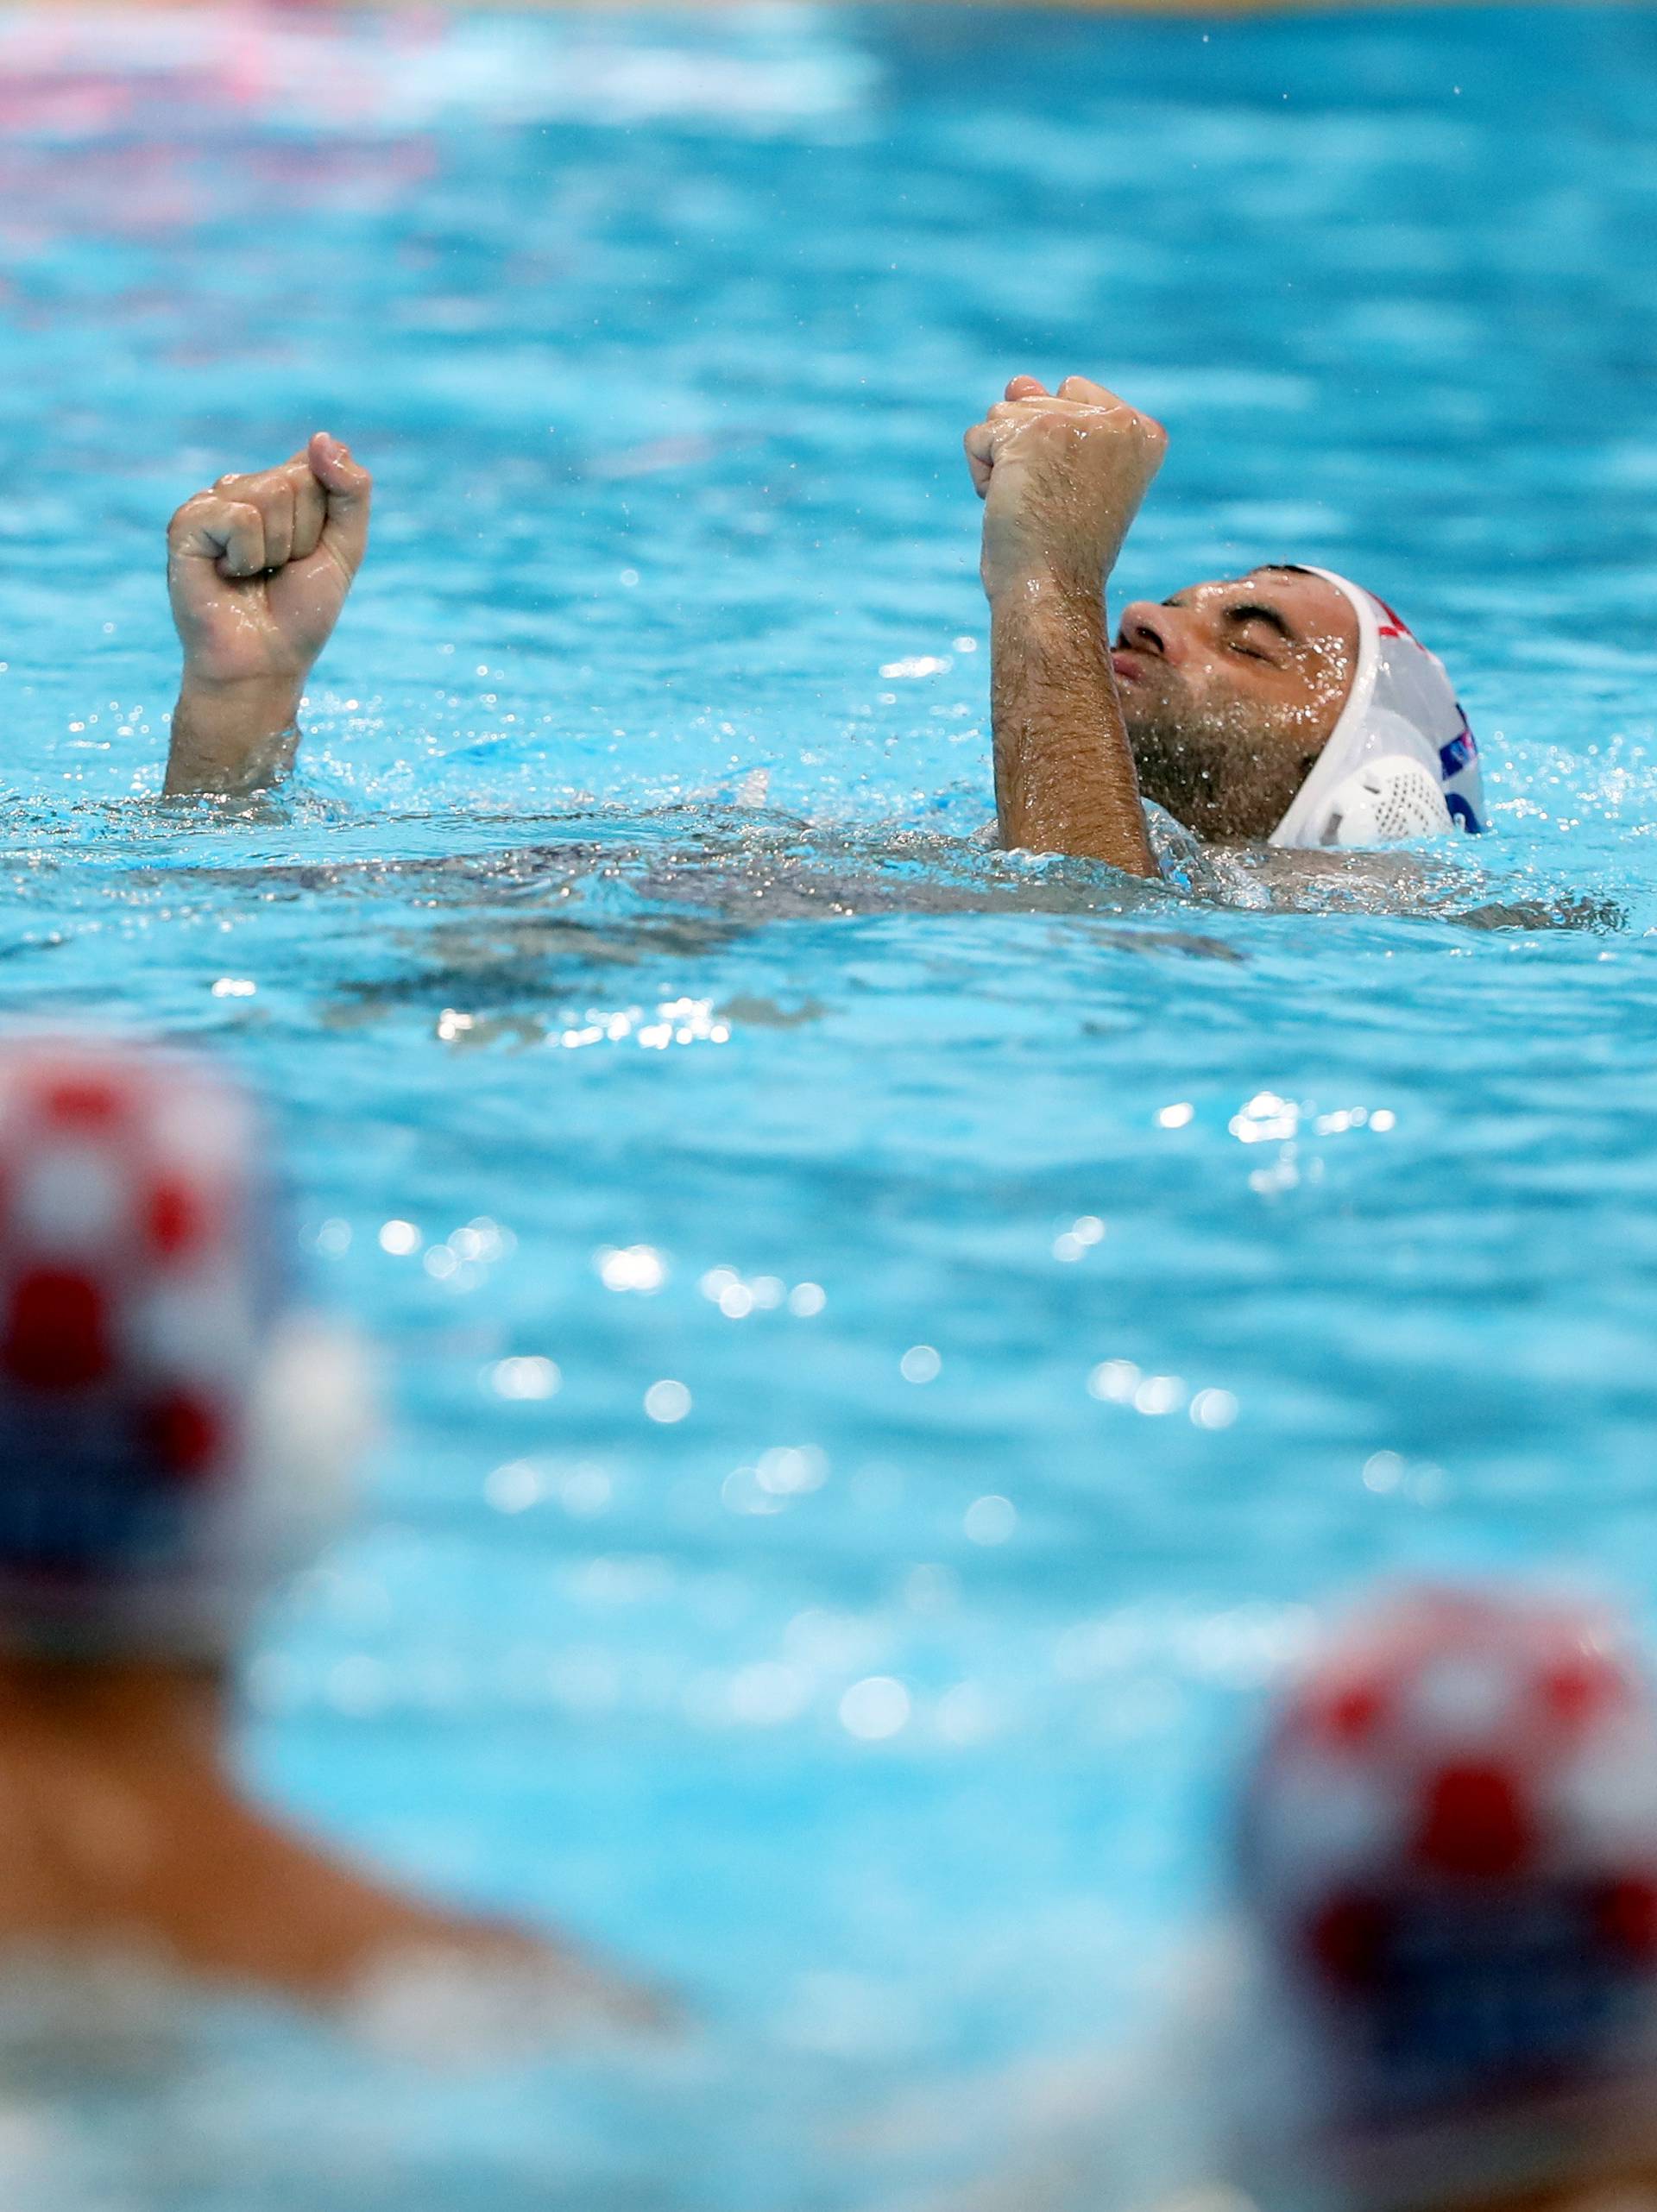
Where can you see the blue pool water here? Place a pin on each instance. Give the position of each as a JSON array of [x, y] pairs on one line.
[[633, 902]]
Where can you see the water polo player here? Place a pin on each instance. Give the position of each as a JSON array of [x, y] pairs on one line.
[[1288, 705], [177, 1436], [1449, 1886], [1434, 1985]]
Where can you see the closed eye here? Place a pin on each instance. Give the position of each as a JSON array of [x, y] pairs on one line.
[[1246, 624]]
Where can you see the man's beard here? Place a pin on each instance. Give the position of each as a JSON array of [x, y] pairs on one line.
[[1224, 768]]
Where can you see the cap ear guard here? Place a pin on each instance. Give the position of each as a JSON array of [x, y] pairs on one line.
[[1387, 801]]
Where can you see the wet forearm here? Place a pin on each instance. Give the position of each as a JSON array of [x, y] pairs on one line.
[[1064, 774], [232, 737]]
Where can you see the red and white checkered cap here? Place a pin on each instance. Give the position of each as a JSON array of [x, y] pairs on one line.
[[1450, 1845], [148, 1352]]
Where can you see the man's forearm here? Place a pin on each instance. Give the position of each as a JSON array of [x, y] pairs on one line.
[[232, 737], [1064, 775]]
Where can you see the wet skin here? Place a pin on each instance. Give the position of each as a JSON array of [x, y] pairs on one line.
[[1229, 692]]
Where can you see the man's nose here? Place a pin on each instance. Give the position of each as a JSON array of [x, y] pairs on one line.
[[1149, 627]]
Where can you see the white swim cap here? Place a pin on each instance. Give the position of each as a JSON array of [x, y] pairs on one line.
[[1401, 761], [176, 1434], [1449, 1855]]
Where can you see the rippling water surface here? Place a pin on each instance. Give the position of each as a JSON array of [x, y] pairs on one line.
[[988, 1305]]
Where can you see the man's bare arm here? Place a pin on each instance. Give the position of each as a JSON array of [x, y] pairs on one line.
[[258, 569], [230, 740], [1061, 478], [1064, 777]]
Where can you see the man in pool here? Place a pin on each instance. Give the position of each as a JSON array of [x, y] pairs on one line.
[[1288, 704]]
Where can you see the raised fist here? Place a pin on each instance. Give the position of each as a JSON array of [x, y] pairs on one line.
[[259, 567], [1062, 476]]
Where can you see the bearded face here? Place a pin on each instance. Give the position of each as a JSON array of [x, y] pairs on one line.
[[1230, 691]]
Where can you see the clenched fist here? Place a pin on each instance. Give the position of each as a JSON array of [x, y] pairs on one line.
[[1062, 476], [258, 568]]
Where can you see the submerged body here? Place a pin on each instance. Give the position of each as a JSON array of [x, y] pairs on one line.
[[124, 1836]]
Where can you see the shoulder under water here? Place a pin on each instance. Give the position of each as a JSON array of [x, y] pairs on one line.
[[1451, 879]]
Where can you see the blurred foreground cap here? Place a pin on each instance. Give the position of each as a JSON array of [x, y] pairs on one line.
[[175, 1435], [1452, 1840], [1448, 1854]]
